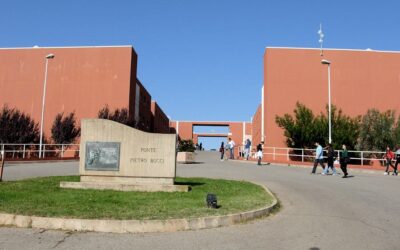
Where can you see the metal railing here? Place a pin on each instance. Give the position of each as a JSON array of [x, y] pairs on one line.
[[30, 150], [302, 154]]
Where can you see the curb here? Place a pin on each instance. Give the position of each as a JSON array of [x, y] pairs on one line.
[[135, 226]]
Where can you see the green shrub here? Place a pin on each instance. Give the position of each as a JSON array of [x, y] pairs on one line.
[[397, 132], [304, 128], [299, 130], [118, 115], [378, 130], [186, 146], [64, 129], [17, 127]]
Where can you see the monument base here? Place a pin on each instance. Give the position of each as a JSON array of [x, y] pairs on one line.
[[125, 186], [128, 180]]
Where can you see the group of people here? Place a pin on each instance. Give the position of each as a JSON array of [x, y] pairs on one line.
[[331, 157], [246, 153], [230, 146], [199, 146], [344, 159]]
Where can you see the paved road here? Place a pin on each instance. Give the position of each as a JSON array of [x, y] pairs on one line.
[[319, 212]]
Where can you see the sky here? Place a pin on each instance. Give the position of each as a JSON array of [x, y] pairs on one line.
[[201, 60]]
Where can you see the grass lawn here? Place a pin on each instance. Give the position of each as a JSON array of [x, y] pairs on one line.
[[44, 197]]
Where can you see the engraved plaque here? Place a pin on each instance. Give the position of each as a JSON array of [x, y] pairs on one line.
[[102, 156]]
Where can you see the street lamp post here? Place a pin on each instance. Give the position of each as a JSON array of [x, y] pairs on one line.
[[49, 56], [329, 98]]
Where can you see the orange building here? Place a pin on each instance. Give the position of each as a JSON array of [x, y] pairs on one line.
[[256, 127], [160, 121], [79, 79], [360, 80]]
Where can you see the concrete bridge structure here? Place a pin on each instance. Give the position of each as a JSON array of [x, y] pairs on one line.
[[238, 131]]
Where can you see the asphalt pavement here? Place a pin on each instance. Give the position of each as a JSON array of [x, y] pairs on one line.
[[318, 212]]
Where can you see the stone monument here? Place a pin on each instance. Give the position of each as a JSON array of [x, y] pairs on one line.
[[118, 157]]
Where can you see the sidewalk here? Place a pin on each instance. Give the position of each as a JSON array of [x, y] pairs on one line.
[[351, 168]]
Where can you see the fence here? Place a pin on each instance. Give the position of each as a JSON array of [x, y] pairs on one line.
[[303, 155], [26, 151]]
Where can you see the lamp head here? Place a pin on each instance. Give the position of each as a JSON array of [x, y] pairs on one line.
[[50, 56], [325, 62]]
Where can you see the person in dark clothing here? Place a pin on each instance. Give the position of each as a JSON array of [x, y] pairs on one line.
[[222, 151], [330, 160], [344, 159], [259, 153], [397, 160]]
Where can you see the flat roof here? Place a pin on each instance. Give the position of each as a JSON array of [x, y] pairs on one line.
[[324, 49], [70, 47]]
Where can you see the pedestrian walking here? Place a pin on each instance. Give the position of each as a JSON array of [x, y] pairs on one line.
[[397, 159], [222, 151], [330, 160], [344, 160], [231, 148], [319, 158], [247, 147], [259, 153], [226, 151], [389, 155]]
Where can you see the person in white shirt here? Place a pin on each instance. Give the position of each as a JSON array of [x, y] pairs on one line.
[[231, 148], [247, 146]]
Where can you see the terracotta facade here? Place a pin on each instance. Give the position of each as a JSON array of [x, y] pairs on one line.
[[79, 79], [360, 80], [160, 121]]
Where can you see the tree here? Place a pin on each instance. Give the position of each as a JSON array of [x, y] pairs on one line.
[[17, 127], [345, 130], [397, 132], [118, 115], [300, 130], [64, 129], [186, 146], [377, 130], [304, 129]]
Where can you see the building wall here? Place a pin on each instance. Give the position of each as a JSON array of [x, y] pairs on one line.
[[360, 80], [195, 139], [79, 79], [256, 127], [248, 128], [160, 122], [145, 114], [183, 129]]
